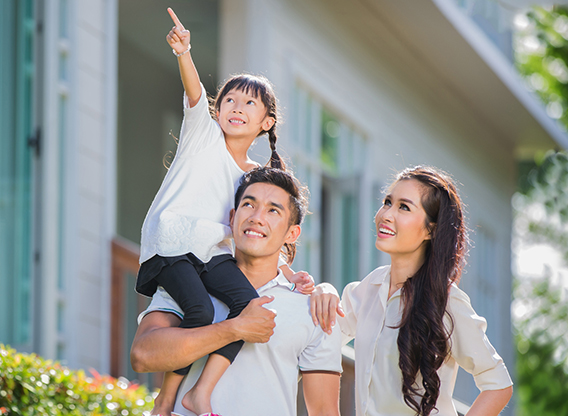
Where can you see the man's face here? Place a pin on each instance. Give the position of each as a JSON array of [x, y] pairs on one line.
[[261, 223]]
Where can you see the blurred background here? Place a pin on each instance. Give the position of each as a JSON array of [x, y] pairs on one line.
[[90, 98]]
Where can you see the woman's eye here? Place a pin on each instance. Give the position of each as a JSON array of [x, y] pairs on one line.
[[404, 207], [387, 202], [230, 100], [251, 102]]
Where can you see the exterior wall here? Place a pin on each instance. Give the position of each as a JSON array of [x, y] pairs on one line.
[[77, 190], [405, 116]]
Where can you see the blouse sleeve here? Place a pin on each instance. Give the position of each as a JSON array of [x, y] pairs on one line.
[[350, 302], [471, 348], [198, 129]]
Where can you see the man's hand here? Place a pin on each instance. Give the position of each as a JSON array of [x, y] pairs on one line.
[[255, 323], [179, 37]]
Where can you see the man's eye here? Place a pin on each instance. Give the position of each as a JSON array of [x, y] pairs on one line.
[[251, 102]]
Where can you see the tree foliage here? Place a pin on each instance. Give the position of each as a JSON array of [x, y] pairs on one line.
[[541, 54], [540, 308], [546, 185], [542, 349]]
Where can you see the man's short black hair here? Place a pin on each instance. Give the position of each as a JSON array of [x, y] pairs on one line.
[[286, 181]]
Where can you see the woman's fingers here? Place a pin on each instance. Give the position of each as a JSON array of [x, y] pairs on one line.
[[325, 312], [324, 308], [340, 310]]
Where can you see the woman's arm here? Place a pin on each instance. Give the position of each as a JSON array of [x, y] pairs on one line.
[[490, 402], [179, 40], [160, 345]]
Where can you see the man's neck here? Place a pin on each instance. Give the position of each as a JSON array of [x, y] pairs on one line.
[[258, 270]]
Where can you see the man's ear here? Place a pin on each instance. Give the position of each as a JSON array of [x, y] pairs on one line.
[[231, 218], [293, 233]]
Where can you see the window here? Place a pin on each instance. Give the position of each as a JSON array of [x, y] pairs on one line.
[[329, 157], [16, 82]]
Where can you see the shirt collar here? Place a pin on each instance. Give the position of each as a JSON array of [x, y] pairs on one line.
[[380, 275], [279, 280]]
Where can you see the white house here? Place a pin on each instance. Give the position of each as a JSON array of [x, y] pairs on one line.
[[90, 91]]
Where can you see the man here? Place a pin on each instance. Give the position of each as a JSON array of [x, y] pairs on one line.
[[263, 379]]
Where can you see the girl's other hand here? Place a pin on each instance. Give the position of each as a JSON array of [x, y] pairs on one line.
[[325, 306], [179, 37], [304, 282]]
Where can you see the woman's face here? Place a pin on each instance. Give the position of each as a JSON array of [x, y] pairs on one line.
[[401, 221]]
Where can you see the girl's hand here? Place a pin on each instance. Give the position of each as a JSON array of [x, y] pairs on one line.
[[304, 282], [324, 306], [179, 37]]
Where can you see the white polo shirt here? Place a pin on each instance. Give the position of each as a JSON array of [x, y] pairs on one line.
[[263, 379], [371, 319]]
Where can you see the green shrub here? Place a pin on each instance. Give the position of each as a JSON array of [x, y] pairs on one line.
[[31, 385]]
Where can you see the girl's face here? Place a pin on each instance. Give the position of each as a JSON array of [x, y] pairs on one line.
[[243, 115], [401, 221]]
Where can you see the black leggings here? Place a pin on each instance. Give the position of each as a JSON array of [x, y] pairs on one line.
[[189, 281]]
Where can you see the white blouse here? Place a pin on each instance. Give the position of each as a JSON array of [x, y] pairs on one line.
[[372, 319], [190, 212]]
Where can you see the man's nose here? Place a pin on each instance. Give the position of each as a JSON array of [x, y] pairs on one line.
[[257, 217]]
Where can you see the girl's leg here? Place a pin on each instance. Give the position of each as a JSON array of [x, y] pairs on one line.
[[166, 399], [181, 280], [198, 399], [227, 283]]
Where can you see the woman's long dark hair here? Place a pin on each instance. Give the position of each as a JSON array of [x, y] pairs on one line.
[[259, 87], [423, 339]]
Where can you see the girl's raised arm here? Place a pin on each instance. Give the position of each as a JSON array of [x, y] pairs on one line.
[[179, 39]]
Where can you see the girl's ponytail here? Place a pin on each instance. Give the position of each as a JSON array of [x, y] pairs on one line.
[[275, 160]]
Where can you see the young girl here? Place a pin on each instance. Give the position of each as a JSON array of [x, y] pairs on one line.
[[186, 242], [413, 327]]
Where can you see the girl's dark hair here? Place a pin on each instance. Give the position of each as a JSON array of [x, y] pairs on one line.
[[285, 180], [259, 87], [423, 339]]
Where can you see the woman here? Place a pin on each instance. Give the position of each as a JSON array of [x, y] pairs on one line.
[[413, 326]]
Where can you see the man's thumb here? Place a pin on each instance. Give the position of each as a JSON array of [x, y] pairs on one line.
[[265, 299]]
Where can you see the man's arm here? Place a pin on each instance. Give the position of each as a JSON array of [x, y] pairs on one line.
[[160, 345], [321, 392]]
